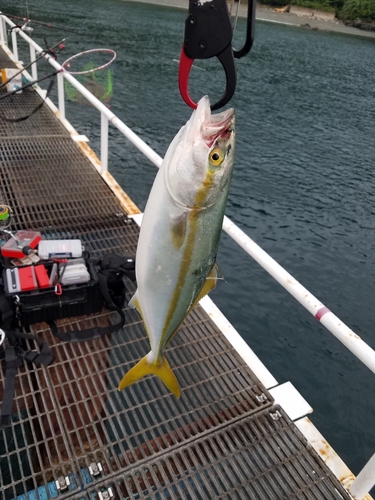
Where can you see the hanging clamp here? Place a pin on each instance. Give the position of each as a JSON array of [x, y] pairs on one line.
[[208, 33]]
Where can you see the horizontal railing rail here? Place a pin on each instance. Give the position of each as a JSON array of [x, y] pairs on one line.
[[365, 479]]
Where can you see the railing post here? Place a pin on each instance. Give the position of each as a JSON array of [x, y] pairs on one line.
[[14, 45], [2, 30], [364, 481], [34, 69], [61, 94], [104, 143]]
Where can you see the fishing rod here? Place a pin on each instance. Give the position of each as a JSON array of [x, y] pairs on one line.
[[48, 25], [47, 51], [30, 84]]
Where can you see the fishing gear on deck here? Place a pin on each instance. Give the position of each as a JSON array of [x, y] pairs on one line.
[[30, 84], [208, 33], [39, 106], [15, 353], [5, 217], [50, 51], [29, 295], [24, 28], [40, 23]]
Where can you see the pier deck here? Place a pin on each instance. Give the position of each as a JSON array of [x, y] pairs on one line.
[[225, 437]]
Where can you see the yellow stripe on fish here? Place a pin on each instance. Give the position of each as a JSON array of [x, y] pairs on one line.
[[186, 259]]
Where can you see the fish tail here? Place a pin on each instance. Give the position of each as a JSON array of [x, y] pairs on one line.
[[161, 370]]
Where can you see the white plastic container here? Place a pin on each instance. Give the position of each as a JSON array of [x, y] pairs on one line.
[[16, 81], [59, 249], [71, 274], [75, 262]]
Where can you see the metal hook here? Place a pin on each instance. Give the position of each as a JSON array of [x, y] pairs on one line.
[[227, 61], [250, 29], [208, 33]]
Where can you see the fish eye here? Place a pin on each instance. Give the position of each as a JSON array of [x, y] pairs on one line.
[[216, 157]]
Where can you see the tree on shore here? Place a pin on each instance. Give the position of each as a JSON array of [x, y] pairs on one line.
[[358, 9], [345, 9]]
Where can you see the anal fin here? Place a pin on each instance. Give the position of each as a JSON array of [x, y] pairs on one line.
[[134, 303]]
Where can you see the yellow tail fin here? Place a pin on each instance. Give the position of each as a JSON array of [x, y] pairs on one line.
[[161, 370]]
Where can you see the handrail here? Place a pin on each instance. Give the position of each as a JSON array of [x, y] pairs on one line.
[[112, 118], [337, 327], [366, 478]]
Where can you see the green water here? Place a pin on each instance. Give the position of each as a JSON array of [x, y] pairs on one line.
[[303, 186]]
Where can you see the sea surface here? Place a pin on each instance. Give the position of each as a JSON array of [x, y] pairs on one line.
[[303, 186]]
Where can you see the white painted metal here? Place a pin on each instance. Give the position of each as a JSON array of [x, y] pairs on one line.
[[287, 396], [137, 218], [2, 30], [112, 118], [326, 452], [34, 67], [352, 341], [104, 144], [365, 480], [243, 349], [61, 94], [14, 45], [80, 138]]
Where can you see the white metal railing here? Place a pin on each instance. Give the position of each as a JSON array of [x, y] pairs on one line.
[[366, 478]]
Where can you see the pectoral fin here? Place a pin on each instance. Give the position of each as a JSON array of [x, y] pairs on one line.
[[209, 284], [161, 370]]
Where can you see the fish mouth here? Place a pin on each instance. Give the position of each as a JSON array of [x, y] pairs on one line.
[[211, 126], [219, 125]]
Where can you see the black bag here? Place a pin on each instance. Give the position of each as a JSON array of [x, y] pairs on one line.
[[106, 287], [112, 268], [15, 353], [108, 274], [62, 301]]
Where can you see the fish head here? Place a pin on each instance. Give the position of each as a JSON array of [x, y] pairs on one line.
[[199, 161]]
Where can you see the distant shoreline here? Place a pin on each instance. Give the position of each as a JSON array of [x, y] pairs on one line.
[[268, 15]]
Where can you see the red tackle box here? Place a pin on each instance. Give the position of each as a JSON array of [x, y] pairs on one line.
[[13, 248]]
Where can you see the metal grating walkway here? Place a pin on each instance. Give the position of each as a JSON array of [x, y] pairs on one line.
[[223, 439]]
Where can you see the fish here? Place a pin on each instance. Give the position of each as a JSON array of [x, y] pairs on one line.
[[180, 234]]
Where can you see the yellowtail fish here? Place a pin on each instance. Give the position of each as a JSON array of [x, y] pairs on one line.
[[180, 233]]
